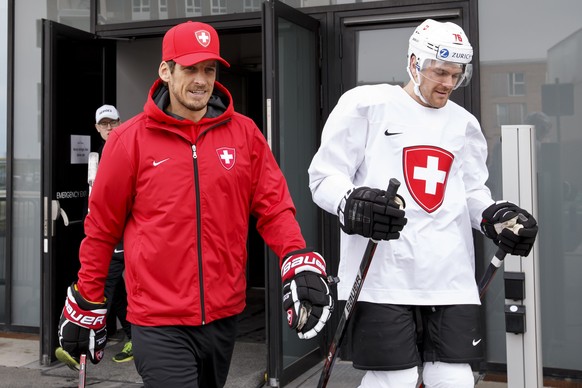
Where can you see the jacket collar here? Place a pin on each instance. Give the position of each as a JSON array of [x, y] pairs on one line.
[[220, 108]]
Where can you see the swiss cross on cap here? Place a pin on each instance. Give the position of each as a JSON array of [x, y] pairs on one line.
[[191, 42], [226, 156], [203, 37], [426, 170]]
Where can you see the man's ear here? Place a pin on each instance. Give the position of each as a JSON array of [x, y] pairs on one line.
[[412, 64], [164, 71]]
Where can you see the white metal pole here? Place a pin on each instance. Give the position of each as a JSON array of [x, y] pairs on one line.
[[524, 351]]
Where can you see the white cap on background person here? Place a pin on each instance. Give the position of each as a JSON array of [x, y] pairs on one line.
[[106, 112]]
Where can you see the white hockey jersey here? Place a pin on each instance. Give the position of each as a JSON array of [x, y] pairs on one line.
[[378, 132]]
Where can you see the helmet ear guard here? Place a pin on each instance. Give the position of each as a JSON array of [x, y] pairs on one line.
[[467, 74]]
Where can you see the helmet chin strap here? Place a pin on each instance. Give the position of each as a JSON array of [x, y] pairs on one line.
[[417, 87], [419, 94]]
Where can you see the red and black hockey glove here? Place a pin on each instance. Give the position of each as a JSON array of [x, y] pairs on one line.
[[82, 329], [369, 213], [306, 297], [510, 227]]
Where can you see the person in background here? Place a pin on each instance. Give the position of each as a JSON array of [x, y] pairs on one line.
[[180, 182], [419, 305], [106, 119]]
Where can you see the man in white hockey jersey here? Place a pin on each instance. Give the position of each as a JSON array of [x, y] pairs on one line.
[[419, 305]]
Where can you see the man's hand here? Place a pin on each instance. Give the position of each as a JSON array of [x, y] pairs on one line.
[[369, 213], [82, 329], [510, 227], [306, 296]]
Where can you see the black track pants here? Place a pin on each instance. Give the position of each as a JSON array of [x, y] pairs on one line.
[[184, 356]]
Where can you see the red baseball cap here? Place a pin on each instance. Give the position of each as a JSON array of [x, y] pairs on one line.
[[191, 42]]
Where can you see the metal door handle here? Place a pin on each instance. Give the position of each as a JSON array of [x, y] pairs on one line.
[[57, 211]]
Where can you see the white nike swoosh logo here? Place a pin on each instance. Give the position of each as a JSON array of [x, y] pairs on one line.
[[160, 162], [117, 250], [476, 342]]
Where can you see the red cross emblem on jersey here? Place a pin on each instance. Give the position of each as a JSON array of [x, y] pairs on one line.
[[426, 170], [226, 156], [203, 37]]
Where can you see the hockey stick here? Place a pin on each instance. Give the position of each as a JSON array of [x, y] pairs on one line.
[[92, 164], [92, 169], [351, 302], [82, 370], [494, 265], [499, 256]]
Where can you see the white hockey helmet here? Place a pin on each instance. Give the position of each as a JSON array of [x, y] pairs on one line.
[[437, 41]]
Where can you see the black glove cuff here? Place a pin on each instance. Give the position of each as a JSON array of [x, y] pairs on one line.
[[84, 303], [342, 206]]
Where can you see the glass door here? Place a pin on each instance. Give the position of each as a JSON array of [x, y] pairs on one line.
[[75, 67], [292, 117]]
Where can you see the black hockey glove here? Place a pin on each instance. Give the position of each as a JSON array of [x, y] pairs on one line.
[[82, 329], [306, 297], [510, 227], [369, 213]]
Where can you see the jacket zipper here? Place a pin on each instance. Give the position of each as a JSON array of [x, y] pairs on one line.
[[198, 240], [199, 219]]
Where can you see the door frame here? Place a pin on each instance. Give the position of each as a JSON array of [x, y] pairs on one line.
[[54, 120], [279, 374]]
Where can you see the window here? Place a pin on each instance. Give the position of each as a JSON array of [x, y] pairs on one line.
[[193, 8], [140, 9], [218, 7], [510, 114], [163, 9], [516, 83], [252, 5]]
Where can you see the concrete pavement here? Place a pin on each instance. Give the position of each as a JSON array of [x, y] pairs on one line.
[[20, 367]]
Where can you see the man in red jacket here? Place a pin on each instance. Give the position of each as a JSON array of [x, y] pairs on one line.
[[179, 182]]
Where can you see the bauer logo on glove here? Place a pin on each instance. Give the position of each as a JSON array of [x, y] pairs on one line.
[[311, 261], [82, 329], [306, 295], [89, 320]]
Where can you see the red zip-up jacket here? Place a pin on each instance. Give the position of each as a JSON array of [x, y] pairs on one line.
[[181, 194]]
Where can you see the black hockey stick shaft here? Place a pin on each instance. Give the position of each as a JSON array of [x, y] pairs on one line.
[[351, 302], [493, 266]]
